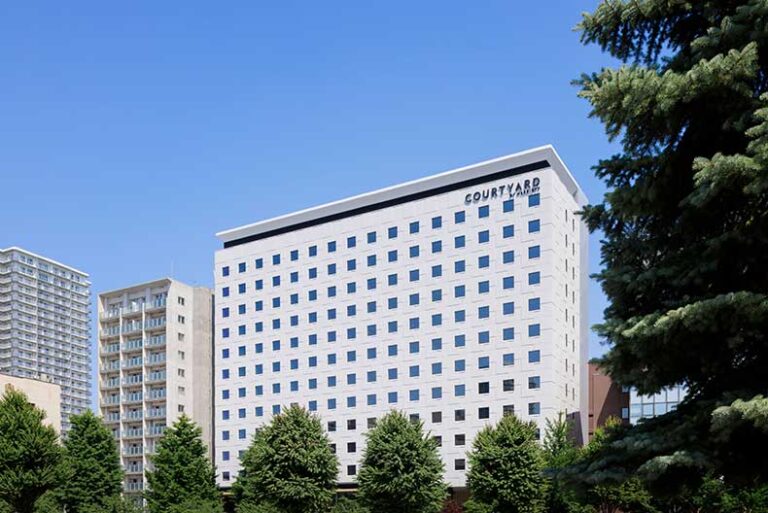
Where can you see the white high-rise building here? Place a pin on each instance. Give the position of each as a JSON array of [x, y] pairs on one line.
[[44, 326], [155, 364], [456, 298]]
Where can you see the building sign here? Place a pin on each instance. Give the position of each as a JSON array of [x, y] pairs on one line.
[[510, 190]]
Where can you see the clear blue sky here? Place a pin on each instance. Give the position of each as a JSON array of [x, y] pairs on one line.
[[131, 132]]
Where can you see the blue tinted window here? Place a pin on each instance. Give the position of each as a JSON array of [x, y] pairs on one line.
[[534, 408], [392, 303], [459, 365], [413, 347], [459, 291], [508, 308], [413, 395], [392, 232], [392, 397], [225, 292], [225, 270], [371, 260], [313, 251], [459, 241], [508, 333], [459, 266], [414, 227], [225, 353], [508, 231], [413, 371], [413, 251], [437, 344], [459, 316], [294, 254], [332, 246], [241, 288], [371, 399], [508, 359], [437, 392], [534, 356], [225, 333], [534, 278], [459, 390], [534, 226], [225, 312], [459, 340], [351, 264], [351, 242], [413, 323], [459, 217], [392, 350], [276, 259], [534, 330], [392, 255], [437, 295], [437, 368], [371, 237], [509, 205], [483, 362], [483, 211], [534, 200], [371, 353], [437, 319], [483, 337], [483, 236], [484, 287], [483, 312], [437, 246], [508, 257], [392, 373], [483, 261], [534, 303], [534, 252], [371, 376], [509, 282], [437, 271], [413, 299], [392, 279], [413, 275], [437, 222], [259, 262]]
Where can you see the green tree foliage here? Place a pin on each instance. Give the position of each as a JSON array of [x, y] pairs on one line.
[[401, 469], [506, 468], [685, 226], [29, 453], [560, 452], [348, 505], [289, 466], [92, 472], [183, 474]]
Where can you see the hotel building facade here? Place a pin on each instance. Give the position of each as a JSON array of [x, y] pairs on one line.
[[45, 329], [155, 364], [456, 299]]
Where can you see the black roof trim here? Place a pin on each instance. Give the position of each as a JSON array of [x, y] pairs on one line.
[[534, 166]]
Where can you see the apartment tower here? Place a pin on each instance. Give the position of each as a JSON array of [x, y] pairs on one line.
[[45, 326], [155, 342]]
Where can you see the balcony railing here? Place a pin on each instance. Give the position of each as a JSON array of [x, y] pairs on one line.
[[133, 433], [157, 340], [133, 451]]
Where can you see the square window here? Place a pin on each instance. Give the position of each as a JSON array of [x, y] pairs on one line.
[[371, 237], [459, 366], [484, 387], [459, 217], [460, 464], [459, 341], [437, 271], [483, 261], [484, 287], [225, 271], [483, 362], [483, 337], [508, 257], [459, 266], [508, 333], [483, 236], [509, 205], [534, 356], [392, 232], [534, 226], [508, 231], [437, 222], [534, 408], [508, 282], [484, 412], [460, 415], [459, 390], [414, 227], [313, 251], [414, 371], [459, 241], [259, 262], [534, 278], [534, 382], [437, 295], [437, 344], [332, 246], [509, 385], [294, 254], [276, 259], [534, 330], [534, 251], [437, 246], [534, 303], [351, 242], [483, 211], [534, 200], [437, 417], [413, 395]]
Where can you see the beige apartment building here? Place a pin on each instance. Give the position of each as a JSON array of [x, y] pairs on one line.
[[155, 364], [42, 394]]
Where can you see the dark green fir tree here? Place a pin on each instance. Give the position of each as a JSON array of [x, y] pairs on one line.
[[183, 475], [685, 229]]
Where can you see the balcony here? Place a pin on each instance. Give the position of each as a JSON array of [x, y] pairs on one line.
[[130, 327], [157, 303], [154, 395], [133, 345], [156, 341], [133, 363], [154, 377], [110, 366], [110, 383], [134, 469], [133, 398], [112, 331], [111, 418], [156, 413], [133, 433], [134, 451], [134, 415], [134, 487], [110, 349], [111, 400], [133, 380], [156, 430], [156, 359], [155, 322]]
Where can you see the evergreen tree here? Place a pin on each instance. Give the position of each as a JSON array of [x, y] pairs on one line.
[[560, 452], [92, 472], [30, 455], [506, 468], [183, 474], [290, 466], [401, 471], [685, 226]]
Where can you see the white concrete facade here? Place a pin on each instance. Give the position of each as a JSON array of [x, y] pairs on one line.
[[456, 298], [44, 326], [155, 364]]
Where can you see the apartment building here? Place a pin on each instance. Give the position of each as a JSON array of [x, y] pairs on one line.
[[155, 364], [45, 327]]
